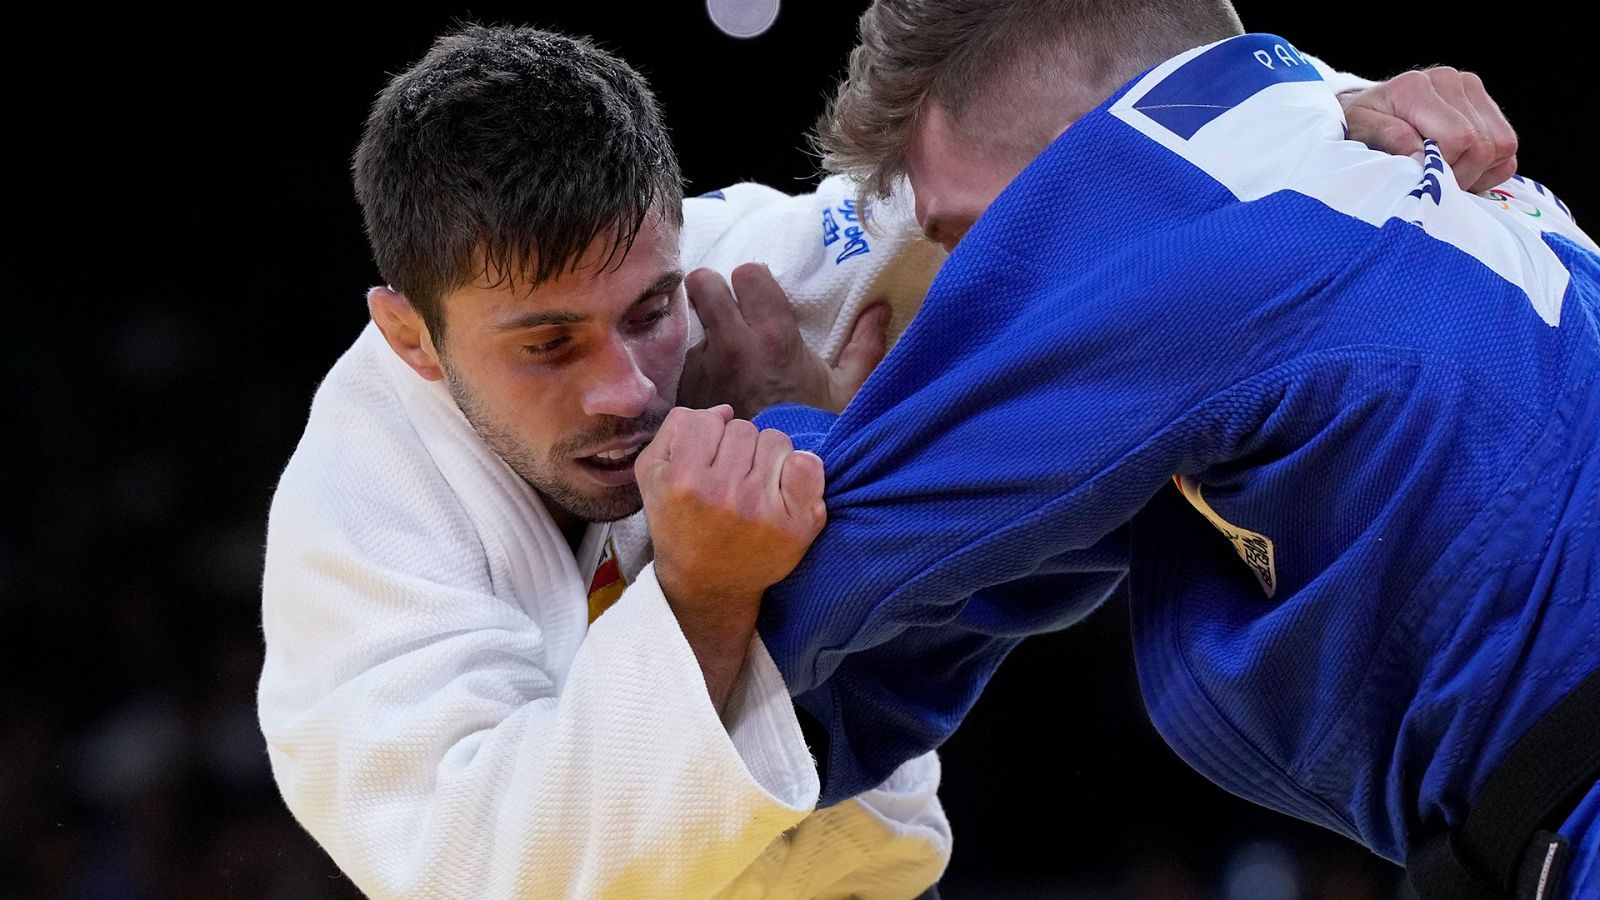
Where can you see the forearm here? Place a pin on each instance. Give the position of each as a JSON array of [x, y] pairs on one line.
[[720, 646], [732, 510]]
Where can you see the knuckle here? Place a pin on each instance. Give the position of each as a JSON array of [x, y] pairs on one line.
[[682, 482], [1408, 81], [772, 440], [677, 491], [696, 489], [739, 429]]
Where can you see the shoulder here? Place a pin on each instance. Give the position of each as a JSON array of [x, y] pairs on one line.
[[361, 482]]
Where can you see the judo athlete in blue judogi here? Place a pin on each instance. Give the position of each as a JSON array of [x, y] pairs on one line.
[[1335, 418]]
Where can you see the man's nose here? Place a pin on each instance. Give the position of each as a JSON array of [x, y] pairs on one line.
[[617, 386]]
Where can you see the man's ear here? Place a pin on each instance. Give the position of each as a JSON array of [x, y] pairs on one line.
[[403, 328]]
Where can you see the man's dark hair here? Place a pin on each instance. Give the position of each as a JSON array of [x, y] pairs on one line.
[[506, 152]]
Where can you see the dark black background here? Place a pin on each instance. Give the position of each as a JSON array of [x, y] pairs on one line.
[[186, 260]]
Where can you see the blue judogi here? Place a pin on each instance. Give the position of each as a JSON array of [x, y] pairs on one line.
[[1339, 417]]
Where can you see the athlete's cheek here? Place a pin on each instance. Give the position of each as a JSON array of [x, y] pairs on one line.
[[662, 357], [545, 407]]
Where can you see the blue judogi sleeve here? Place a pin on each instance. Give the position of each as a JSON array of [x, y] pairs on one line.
[[889, 680]]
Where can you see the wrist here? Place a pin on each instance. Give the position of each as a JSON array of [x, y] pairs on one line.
[[717, 625], [720, 646]]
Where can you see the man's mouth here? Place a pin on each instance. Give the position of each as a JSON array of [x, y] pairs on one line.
[[613, 460]]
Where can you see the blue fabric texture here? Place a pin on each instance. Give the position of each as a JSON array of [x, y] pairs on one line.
[[1419, 448]]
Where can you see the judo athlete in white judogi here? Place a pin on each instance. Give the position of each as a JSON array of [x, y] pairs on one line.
[[470, 691]]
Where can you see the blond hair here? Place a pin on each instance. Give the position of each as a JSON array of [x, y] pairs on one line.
[[999, 52]]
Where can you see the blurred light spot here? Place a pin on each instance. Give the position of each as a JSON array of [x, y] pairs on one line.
[[137, 748], [742, 18], [1262, 871]]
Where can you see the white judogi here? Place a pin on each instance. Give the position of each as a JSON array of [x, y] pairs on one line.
[[443, 719]]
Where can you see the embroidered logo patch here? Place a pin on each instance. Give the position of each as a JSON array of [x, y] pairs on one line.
[[1255, 549], [1505, 198], [855, 241]]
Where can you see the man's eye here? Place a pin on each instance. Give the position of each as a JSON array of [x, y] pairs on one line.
[[545, 347], [650, 319]]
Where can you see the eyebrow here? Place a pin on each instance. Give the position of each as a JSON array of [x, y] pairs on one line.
[[537, 318]]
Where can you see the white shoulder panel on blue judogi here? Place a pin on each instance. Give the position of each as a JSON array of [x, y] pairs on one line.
[[1228, 109]]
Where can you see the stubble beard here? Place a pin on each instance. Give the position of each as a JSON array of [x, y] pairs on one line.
[[598, 504]]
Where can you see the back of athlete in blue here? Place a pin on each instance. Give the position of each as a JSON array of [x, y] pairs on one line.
[[1339, 418]]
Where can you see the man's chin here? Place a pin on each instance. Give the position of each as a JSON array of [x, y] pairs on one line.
[[607, 505]]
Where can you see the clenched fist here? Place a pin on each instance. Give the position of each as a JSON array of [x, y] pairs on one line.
[[732, 509], [1445, 104]]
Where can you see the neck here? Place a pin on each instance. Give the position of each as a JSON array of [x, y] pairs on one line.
[[572, 527]]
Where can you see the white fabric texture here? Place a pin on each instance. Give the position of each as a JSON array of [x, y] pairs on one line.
[[753, 223], [440, 716]]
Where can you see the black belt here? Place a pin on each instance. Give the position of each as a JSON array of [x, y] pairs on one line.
[[1506, 849]]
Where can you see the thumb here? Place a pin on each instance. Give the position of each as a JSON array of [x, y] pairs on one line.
[[801, 482], [1381, 131], [863, 352]]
